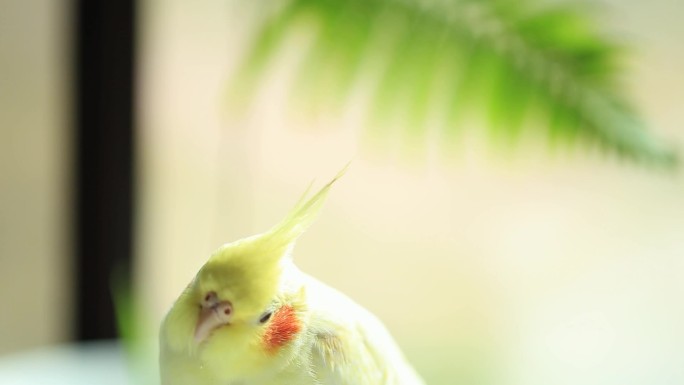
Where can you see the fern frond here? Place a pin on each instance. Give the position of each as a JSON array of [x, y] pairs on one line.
[[501, 59]]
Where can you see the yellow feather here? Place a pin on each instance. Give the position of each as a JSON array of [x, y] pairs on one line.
[[302, 215]]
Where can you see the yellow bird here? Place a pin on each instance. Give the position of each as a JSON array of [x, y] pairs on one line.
[[251, 317]]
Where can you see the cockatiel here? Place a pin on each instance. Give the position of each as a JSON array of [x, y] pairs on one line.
[[251, 317]]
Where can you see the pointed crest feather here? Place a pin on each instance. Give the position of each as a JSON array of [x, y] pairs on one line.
[[303, 213]]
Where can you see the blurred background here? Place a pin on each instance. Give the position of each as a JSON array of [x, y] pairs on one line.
[[139, 136]]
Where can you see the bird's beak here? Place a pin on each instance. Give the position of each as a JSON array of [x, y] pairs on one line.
[[212, 317]]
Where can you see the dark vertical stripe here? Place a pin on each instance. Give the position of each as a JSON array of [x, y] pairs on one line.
[[104, 65]]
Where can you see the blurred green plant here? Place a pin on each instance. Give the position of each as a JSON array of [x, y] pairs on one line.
[[132, 326], [446, 61]]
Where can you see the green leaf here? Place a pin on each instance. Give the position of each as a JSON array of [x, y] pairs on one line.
[[503, 60]]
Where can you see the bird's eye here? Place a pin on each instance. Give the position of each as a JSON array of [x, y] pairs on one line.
[[265, 317]]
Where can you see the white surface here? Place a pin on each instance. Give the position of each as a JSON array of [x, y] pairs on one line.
[[101, 363]]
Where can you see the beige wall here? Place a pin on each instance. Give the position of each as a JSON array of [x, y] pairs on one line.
[[34, 176], [525, 270]]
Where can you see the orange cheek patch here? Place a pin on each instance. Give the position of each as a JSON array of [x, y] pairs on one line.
[[283, 328]]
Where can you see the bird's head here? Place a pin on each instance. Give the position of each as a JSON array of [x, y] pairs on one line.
[[246, 304]]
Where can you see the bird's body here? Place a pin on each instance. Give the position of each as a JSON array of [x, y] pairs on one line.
[[251, 317]]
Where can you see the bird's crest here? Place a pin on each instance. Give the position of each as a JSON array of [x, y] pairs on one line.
[[302, 214], [247, 272]]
